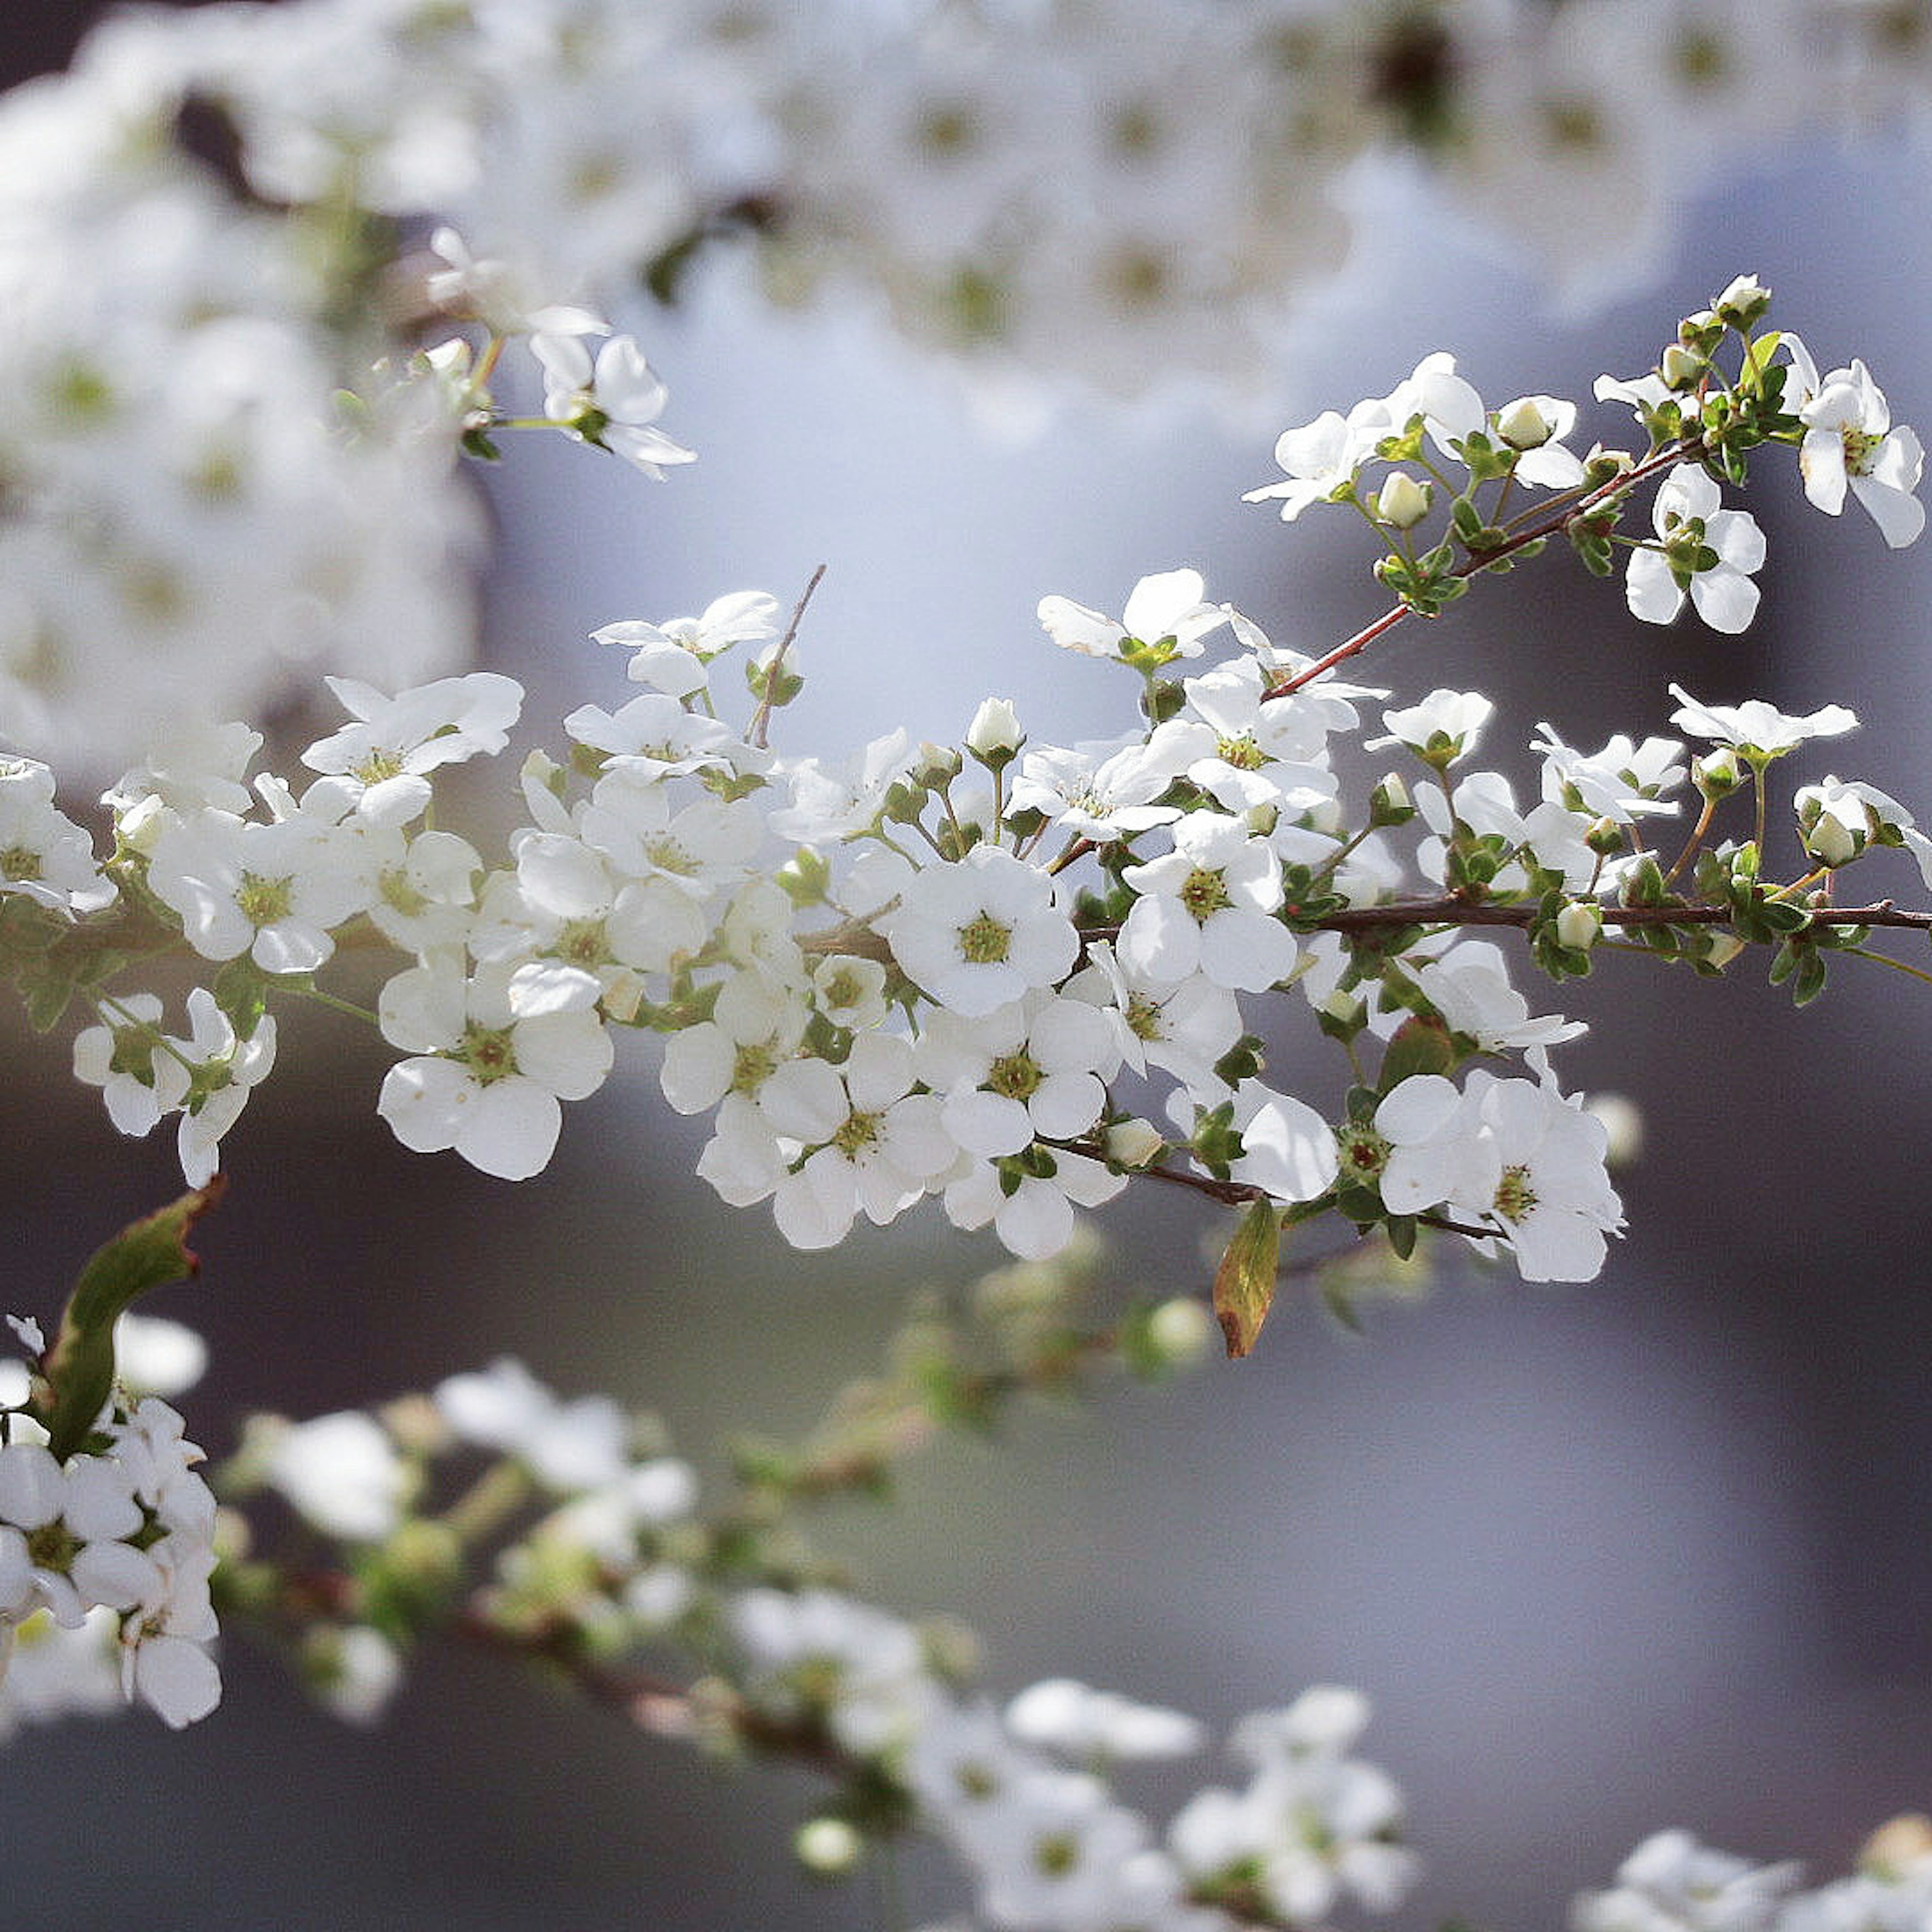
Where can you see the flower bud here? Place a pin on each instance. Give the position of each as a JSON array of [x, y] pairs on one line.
[[994, 735], [1524, 426], [1831, 842], [1132, 1142], [1716, 774], [1622, 1124], [1402, 502], [938, 766], [1389, 803], [1181, 1329], [1897, 1844], [828, 1847], [1722, 948], [1743, 303], [1682, 368], [1578, 926]]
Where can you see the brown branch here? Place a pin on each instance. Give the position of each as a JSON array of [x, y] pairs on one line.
[[1683, 450]]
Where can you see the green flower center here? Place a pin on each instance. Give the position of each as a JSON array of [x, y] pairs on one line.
[[668, 855], [584, 942], [859, 1131], [378, 766], [1205, 894], [1364, 1152], [1860, 446], [1515, 1199], [400, 895], [1016, 1077], [751, 1066], [984, 940], [52, 1547], [1243, 753], [1056, 1854], [263, 901], [488, 1052], [20, 862]]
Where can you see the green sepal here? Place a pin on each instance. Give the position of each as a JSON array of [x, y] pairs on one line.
[[1401, 1232], [1420, 1045], [79, 1368], [240, 990], [1244, 1282]]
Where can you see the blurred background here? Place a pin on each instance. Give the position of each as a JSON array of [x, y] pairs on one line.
[[1647, 1552]]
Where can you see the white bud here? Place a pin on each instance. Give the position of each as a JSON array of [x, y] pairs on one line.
[[995, 731], [828, 1846], [1578, 926], [1181, 1329], [1681, 368], [1402, 502], [1831, 842], [1622, 1124], [1132, 1143], [1523, 426]]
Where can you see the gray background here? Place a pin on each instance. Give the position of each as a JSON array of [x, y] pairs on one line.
[[1649, 1552]]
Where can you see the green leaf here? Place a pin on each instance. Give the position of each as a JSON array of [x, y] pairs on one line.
[[79, 1367], [1244, 1283]]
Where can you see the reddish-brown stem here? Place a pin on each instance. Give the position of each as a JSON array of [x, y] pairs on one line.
[[1679, 451]]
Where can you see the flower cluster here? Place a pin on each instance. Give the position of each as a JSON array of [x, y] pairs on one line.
[[1013, 974], [600, 1553], [106, 1556], [209, 230]]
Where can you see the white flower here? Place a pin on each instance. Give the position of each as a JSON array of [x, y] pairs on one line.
[[1469, 986], [1036, 1067], [1624, 781], [976, 934], [1167, 608], [1206, 907], [497, 1051], [44, 855], [1535, 426], [1838, 818], [342, 1473], [225, 1068], [1537, 1174], [612, 404], [672, 656], [568, 1446], [379, 764], [1031, 1211], [874, 1143], [1445, 724], [1671, 1883], [1688, 507], [1101, 792], [140, 1080], [1849, 439], [273, 891], [1320, 457], [1759, 730], [1062, 1714]]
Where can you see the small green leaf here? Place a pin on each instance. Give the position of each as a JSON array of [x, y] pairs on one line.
[[79, 1367], [1244, 1283]]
